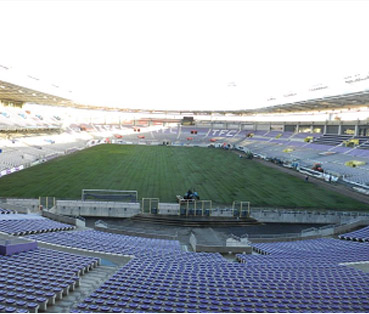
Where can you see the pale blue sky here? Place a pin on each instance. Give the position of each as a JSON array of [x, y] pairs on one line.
[[185, 54]]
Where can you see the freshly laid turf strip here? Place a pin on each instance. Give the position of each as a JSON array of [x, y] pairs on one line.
[[166, 171]]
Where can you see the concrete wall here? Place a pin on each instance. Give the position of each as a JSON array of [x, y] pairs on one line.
[[234, 247], [118, 209], [64, 219], [193, 241], [350, 226], [226, 212], [97, 209], [304, 216], [313, 233], [135, 233], [22, 205], [218, 125], [223, 249], [168, 209], [173, 209]]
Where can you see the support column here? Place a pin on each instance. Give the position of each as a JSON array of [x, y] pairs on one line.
[[356, 130], [339, 129]]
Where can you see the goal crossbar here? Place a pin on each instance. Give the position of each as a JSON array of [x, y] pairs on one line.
[[109, 195]]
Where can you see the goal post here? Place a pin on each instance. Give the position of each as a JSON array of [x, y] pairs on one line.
[[104, 195], [46, 202], [241, 208]]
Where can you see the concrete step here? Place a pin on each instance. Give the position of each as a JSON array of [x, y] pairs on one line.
[[207, 236], [194, 221], [89, 283]]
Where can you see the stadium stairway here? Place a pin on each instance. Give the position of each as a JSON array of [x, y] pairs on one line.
[[207, 236], [193, 221], [89, 283]]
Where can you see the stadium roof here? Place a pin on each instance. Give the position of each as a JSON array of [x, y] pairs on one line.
[[350, 100], [18, 94]]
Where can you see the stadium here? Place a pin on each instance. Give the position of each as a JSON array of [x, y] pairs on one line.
[[256, 205]]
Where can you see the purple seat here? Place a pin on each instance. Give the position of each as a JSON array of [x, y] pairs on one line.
[[10, 309], [82, 306], [179, 310], [104, 296], [93, 307], [30, 298], [11, 294], [110, 302], [32, 305], [20, 289], [21, 303], [41, 299], [133, 305], [57, 290]]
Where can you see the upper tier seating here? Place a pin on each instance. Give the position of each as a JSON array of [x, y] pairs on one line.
[[12, 118], [303, 135], [332, 139]]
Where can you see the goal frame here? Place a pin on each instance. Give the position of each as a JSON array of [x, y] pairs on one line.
[[107, 191], [151, 201]]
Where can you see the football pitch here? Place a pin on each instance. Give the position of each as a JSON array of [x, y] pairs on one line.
[[164, 172]]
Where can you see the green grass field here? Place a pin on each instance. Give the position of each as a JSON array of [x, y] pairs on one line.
[[166, 171]]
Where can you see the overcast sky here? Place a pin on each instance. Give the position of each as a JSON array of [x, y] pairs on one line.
[[184, 54]]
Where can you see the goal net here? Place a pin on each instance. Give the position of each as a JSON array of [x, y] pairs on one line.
[[109, 195]]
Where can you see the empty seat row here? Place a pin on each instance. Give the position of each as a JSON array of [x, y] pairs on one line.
[[361, 235], [33, 280], [112, 243], [4, 211], [28, 226], [216, 285]]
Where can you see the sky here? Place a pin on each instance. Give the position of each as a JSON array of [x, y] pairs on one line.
[[195, 55]]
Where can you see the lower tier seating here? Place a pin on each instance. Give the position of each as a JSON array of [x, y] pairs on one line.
[[35, 279]]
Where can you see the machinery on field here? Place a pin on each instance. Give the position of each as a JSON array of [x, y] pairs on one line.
[[317, 167], [189, 195]]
